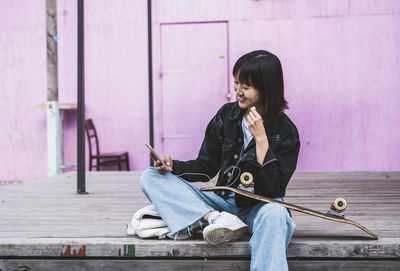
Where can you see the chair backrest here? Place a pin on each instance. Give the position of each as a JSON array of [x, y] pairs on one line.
[[92, 137]]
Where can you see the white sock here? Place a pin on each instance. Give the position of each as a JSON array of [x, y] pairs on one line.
[[213, 216]]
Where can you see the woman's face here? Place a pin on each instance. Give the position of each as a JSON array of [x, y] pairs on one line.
[[246, 96]]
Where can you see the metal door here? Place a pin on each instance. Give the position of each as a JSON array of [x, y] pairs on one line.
[[194, 83]]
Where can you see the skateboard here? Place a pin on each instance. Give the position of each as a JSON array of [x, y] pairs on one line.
[[335, 213]]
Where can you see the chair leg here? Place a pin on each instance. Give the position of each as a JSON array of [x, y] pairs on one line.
[[98, 164], [119, 164], [127, 162], [90, 164]]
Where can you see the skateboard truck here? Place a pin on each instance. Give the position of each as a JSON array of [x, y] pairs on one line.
[[338, 207], [246, 180]]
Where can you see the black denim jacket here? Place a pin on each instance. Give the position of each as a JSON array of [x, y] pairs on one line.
[[222, 148]]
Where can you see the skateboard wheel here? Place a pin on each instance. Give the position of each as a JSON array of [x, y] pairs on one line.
[[246, 178], [340, 204]]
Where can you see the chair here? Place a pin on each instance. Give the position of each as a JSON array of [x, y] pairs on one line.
[[102, 159]]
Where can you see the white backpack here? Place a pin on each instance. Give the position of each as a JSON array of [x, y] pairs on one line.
[[147, 223]]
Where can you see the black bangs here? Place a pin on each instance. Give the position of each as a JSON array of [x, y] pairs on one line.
[[251, 72], [245, 73], [246, 65]]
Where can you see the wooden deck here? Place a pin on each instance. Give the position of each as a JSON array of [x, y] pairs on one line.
[[45, 225]]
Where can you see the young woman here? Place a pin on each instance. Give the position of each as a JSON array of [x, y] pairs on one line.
[[250, 136]]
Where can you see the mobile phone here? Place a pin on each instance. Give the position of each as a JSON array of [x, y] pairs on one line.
[[155, 155]]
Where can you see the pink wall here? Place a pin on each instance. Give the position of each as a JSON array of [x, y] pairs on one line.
[[116, 80], [341, 66], [340, 61], [22, 87]]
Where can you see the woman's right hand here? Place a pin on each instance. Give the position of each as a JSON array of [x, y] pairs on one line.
[[159, 166]]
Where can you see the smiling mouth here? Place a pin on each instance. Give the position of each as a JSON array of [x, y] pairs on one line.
[[241, 98]]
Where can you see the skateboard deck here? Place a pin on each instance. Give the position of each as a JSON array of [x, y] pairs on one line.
[[291, 207]]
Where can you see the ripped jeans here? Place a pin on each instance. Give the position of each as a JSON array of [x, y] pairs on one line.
[[182, 205]]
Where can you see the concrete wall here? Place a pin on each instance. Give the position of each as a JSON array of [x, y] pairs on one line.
[[340, 61]]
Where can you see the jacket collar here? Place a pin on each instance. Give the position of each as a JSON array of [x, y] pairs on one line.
[[236, 112]]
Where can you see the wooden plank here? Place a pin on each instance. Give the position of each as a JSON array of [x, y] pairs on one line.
[[139, 265], [337, 265], [115, 247], [199, 264]]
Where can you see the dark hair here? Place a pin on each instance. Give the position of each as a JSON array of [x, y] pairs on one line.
[[263, 71]]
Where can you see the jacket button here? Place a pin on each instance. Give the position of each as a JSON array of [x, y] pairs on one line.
[[235, 156]]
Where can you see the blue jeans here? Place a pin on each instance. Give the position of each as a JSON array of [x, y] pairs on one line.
[[181, 205]]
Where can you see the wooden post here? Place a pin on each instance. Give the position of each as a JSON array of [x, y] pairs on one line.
[[54, 125], [51, 29]]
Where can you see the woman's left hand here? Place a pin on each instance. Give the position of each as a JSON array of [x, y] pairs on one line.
[[256, 126]]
